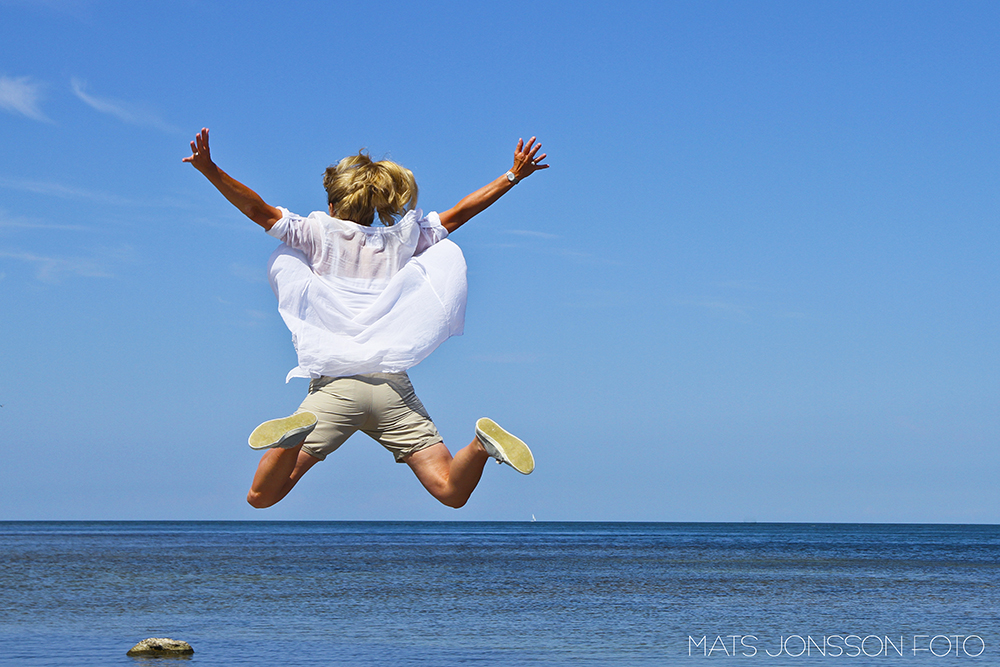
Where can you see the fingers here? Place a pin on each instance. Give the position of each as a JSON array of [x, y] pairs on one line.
[[532, 153], [199, 147], [527, 150], [202, 140], [527, 158], [530, 150]]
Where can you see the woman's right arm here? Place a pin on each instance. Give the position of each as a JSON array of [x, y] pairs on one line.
[[239, 195]]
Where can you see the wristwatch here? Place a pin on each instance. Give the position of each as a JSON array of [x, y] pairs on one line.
[[512, 178]]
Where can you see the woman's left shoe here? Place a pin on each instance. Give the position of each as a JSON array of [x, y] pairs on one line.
[[504, 447]]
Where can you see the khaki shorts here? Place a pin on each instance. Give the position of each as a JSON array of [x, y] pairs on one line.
[[383, 405]]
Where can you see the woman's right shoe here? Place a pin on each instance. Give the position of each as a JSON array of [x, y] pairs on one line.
[[283, 433]]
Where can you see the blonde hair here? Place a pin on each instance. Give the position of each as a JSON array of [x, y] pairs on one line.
[[357, 188]]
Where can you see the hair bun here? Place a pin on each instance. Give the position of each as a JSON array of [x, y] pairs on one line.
[[357, 187]]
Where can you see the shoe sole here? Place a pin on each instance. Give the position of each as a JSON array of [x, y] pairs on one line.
[[283, 433], [512, 450]]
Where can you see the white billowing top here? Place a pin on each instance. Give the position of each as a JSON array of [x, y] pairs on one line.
[[366, 299]]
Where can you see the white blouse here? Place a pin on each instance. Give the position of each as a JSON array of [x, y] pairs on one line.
[[366, 299]]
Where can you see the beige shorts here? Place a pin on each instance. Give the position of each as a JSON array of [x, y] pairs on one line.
[[383, 405]]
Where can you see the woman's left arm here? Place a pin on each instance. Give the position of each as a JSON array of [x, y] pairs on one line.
[[249, 202], [526, 162]]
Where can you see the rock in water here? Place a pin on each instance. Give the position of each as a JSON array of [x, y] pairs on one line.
[[160, 646]]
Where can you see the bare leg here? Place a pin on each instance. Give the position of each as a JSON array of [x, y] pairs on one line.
[[278, 471], [449, 479]]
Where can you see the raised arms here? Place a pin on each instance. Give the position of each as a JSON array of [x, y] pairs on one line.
[[239, 195], [526, 162]]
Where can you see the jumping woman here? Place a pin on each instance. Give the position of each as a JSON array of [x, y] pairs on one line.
[[364, 304]]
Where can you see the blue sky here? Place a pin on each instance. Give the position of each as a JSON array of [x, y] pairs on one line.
[[758, 282]]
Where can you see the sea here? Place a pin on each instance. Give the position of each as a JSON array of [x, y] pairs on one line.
[[463, 593]]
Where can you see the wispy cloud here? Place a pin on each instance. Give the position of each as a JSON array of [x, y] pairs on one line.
[[123, 111], [579, 254], [599, 299], [725, 309], [742, 311], [22, 96], [247, 273], [509, 358], [253, 319], [531, 232], [16, 222], [53, 269], [27, 224], [72, 192], [62, 191], [498, 246], [740, 285], [76, 8], [556, 250]]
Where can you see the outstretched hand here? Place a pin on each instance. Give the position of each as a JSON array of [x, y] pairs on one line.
[[526, 159], [239, 195], [201, 157], [526, 162]]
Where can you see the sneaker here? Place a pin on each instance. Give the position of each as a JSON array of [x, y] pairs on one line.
[[504, 447], [283, 433]]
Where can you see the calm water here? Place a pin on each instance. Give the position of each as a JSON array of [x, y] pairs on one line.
[[501, 594]]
